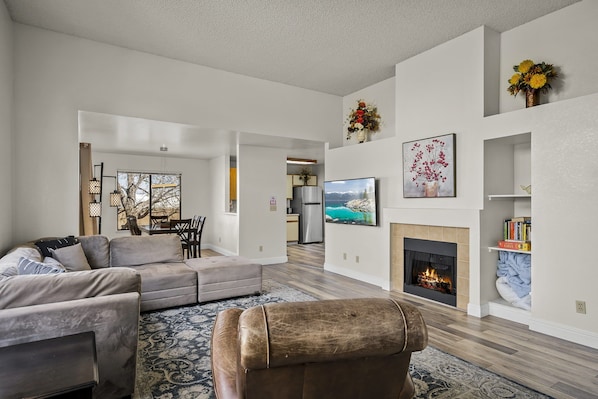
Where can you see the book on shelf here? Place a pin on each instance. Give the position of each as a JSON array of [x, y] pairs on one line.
[[515, 245], [518, 228]]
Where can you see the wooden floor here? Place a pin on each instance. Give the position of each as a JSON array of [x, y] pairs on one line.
[[552, 366]]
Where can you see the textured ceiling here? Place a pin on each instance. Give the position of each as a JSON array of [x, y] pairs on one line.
[[332, 46]]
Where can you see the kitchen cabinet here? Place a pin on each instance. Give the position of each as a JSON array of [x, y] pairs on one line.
[[289, 186], [233, 184], [292, 227]]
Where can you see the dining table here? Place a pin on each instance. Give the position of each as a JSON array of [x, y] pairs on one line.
[[157, 229]]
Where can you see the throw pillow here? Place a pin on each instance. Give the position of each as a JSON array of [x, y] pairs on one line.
[[46, 245], [28, 266], [11, 259], [72, 258], [8, 272]]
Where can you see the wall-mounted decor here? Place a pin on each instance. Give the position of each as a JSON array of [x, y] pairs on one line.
[[429, 167], [351, 201]]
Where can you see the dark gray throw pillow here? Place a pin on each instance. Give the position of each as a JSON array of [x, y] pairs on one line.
[[27, 266], [45, 245], [72, 258]]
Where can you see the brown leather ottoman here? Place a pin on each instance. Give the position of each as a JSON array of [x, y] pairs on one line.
[[221, 277]]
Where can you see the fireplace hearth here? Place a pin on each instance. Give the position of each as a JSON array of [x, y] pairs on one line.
[[430, 270]]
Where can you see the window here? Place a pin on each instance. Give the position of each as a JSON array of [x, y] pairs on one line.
[[146, 194]]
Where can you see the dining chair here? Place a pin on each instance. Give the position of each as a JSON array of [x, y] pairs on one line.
[[133, 226], [183, 228], [158, 220], [197, 228]]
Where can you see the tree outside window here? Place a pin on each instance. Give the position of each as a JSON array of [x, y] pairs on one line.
[[148, 194]]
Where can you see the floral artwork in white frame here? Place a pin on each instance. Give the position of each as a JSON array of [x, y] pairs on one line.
[[429, 167]]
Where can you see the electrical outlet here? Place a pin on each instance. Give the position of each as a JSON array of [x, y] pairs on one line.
[[357, 259], [344, 256], [261, 248], [580, 307]]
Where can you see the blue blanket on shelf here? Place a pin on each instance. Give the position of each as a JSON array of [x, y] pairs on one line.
[[516, 268]]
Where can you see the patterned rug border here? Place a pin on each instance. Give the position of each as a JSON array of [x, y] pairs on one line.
[[174, 360]]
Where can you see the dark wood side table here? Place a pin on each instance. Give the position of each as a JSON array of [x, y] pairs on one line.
[[63, 367]]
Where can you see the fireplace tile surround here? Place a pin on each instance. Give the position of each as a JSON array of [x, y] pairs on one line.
[[458, 235]]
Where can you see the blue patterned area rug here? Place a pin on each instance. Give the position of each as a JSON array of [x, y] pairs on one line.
[[174, 356]]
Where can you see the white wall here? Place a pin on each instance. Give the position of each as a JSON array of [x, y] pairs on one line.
[[223, 226], [567, 39], [455, 98], [262, 176], [371, 159], [564, 139], [195, 199], [452, 106], [57, 75], [564, 147], [6, 118]]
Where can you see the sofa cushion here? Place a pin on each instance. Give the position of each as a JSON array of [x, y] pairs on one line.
[[11, 259], [35, 289], [73, 258], [141, 250], [45, 245], [225, 277], [49, 266], [97, 250], [165, 276]]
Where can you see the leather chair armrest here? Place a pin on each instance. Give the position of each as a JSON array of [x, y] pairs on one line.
[[224, 353]]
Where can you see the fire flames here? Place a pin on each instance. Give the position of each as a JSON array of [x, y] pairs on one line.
[[432, 280]]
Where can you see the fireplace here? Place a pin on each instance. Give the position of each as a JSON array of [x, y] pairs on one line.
[[430, 270]]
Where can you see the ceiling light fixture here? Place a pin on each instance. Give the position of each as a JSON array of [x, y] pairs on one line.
[[301, 161], [163, 148]]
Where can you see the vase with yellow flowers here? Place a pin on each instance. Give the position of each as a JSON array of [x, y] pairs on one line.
[[363, 120], [532, 79]]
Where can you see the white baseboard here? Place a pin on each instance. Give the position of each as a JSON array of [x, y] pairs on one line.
[[478, 310], [582, 337], [220, 250], [271, 261], [356, 275], [501, 308]]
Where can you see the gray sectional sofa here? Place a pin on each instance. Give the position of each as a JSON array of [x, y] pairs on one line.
[[107, 284]]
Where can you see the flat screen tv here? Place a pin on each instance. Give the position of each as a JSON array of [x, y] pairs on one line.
[[351, 201]]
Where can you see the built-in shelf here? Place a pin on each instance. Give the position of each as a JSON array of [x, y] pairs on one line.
[[507, 169], [508, 196], [490, 249]]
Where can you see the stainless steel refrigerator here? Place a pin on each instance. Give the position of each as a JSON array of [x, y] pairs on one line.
[[307, 202]]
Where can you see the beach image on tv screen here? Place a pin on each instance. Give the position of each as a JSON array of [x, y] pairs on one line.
[[351, 201]]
